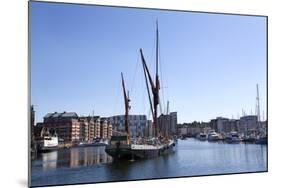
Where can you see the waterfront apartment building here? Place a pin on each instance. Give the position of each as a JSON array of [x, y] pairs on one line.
[[219, 124], [65, 124], [72, 128], [194, 128], [242, 125], [233, 125], [89, 128], [105, 128], [84, 129], [174, 122], [109, 129], [224, 125], [93, 127], [248, 123], [149, 129], [183, 129], [137, 124], [167, 124]]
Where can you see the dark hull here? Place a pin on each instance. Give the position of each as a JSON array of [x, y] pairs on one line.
[[249, 140], [261, 141], [47, 149], [125, 152], [121, 152]]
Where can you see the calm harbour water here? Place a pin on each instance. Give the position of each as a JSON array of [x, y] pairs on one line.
[[192, 157]]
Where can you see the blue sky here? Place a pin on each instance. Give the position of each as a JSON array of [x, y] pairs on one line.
[[209, 63]]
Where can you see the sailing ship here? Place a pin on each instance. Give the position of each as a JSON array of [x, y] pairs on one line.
[[121, 146]]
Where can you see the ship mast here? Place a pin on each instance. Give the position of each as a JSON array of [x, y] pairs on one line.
[[154, 87], [146, 82], [258, 104], [157, 87], [258, 107], [126, 100]]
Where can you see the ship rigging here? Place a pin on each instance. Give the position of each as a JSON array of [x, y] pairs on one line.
[[120, 146]]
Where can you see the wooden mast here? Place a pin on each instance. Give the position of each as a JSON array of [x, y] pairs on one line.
[[126, 100], [154, 87], [157, 86], [146, 82]]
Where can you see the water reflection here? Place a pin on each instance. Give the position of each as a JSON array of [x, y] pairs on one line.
[[49, 160], [192, 157], [74, 157]]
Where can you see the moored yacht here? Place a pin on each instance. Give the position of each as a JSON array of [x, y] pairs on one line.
[[249, 138], [233, 137], [48, 142], [213, 136], [202, 136], [261, 139]]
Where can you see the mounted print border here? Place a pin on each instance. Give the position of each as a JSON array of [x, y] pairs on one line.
[[127, 93]]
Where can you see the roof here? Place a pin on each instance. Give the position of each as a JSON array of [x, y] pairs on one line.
[[249, 117], [48, 115], [103, 119], [63, 115], [69, 114]]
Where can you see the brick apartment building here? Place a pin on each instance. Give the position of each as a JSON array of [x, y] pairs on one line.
[[65, 124], [92, 127], [72, 128]]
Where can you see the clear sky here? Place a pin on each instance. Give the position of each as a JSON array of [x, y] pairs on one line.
[[209, 63]]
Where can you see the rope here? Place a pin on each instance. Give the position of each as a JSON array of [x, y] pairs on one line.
[[117, 97], [134, 77]]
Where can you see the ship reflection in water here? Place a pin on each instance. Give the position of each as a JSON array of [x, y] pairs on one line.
[[74, 158], [192, 158], [49, 160]]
